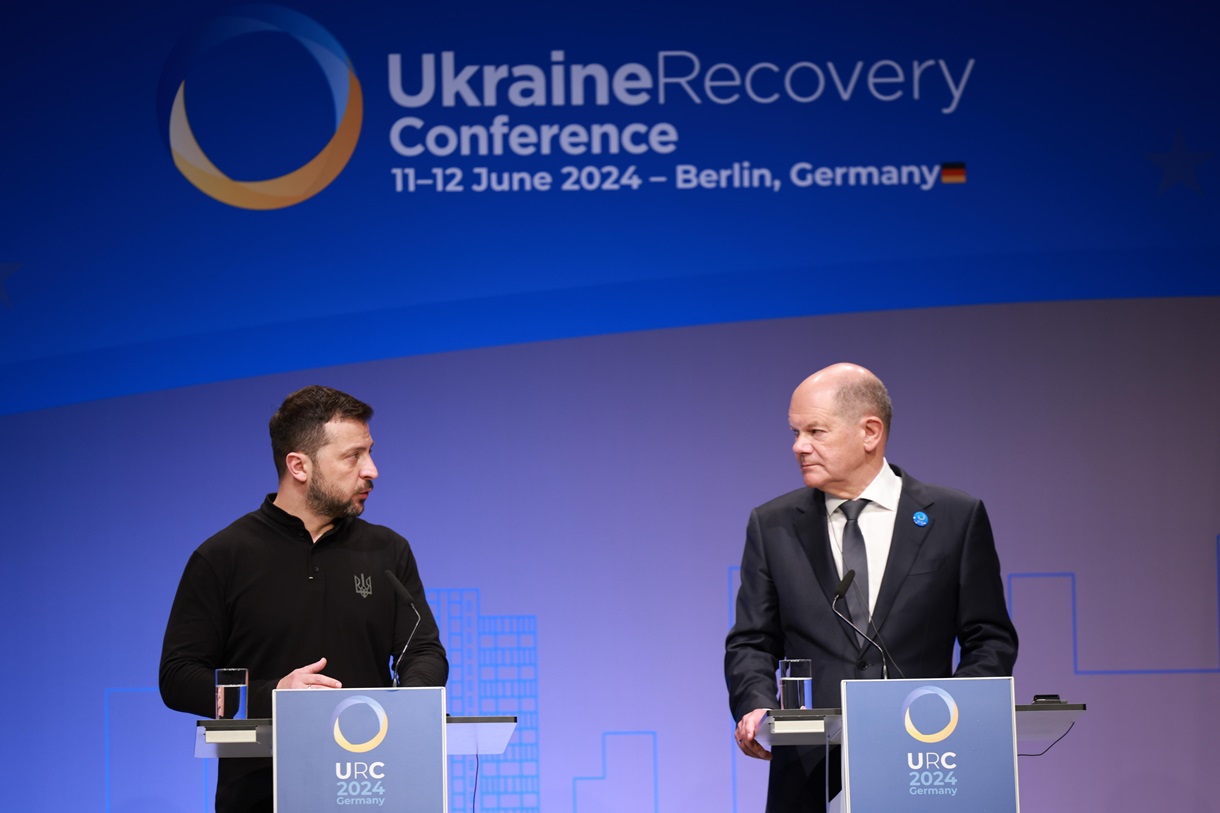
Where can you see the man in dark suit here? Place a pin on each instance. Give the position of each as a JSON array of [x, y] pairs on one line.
[[926, 575]]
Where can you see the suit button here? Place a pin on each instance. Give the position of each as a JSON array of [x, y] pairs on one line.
[[862, 666]]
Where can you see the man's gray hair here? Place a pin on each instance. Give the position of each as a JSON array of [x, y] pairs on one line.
[[865, 395]]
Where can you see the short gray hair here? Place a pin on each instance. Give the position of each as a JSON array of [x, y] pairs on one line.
[[865, 395]]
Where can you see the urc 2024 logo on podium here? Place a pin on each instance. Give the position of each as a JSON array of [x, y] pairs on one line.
[[360, 781], [287, 189]]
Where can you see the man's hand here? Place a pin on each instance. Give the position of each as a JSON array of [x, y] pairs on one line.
[[747, 727], [309, 677]]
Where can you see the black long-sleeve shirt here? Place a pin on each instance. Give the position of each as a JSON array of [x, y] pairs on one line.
[[262, 595]]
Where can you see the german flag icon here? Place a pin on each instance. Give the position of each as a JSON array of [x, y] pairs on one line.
[[952, 173]]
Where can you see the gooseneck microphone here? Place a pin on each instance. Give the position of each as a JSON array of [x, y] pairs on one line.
[[405, 595], [840, 592]]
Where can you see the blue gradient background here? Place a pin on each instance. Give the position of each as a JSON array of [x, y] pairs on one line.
[[581, 395]]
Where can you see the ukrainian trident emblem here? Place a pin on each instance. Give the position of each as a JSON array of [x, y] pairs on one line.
[[364, 585]]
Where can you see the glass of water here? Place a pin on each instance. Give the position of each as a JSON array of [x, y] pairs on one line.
[[795, 683], [231, 687]]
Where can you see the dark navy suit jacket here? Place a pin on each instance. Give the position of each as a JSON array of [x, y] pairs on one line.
[[941, 584]]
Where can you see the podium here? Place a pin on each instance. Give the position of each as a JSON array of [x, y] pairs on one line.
[[971, 766], [380, 747], [911, 745], [1039, 725]]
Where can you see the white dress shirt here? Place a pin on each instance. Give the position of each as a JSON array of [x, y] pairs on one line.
[[876, 524]]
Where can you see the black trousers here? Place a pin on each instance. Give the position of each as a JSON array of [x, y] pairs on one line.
[[244, 786]]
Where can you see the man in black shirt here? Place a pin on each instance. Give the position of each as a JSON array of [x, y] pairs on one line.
[[296, 591]]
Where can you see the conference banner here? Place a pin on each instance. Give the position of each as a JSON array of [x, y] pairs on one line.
[[197, 180]]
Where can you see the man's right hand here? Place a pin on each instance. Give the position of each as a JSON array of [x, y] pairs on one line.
[[747, 728], [309, 677]]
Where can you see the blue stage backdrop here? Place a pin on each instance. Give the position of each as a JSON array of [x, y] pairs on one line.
[[577, 257]]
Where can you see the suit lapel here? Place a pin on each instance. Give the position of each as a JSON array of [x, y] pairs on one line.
[[811, 530], [904, 546]]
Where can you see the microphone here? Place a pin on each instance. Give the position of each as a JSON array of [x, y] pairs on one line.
[[840, 592], [405, 595]]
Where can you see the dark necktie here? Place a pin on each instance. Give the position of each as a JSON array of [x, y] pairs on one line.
[[855, 558]]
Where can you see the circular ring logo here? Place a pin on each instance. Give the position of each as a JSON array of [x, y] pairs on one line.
[[950, 704], [300, 184], [360, 748]]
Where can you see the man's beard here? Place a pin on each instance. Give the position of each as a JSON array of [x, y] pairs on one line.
[[327, 503]]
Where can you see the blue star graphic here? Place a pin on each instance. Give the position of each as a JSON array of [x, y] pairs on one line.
[[1179, 165]]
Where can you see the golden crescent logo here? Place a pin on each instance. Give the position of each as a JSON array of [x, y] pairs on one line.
[[300, 184], [363, 747], [950, 703]]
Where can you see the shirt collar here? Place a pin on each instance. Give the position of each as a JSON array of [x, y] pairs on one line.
[[289, 522], [884, 491]]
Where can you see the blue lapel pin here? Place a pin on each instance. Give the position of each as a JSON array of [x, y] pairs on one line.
[[920, 518]]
